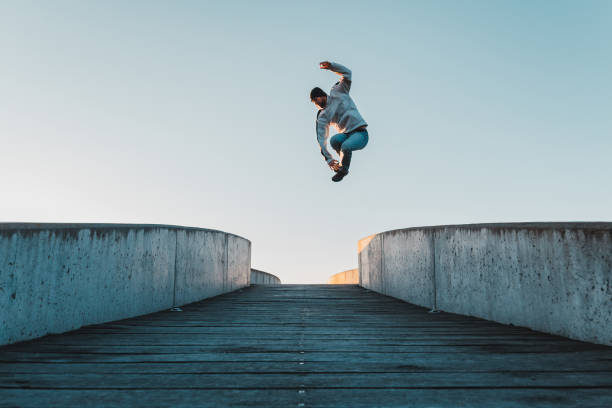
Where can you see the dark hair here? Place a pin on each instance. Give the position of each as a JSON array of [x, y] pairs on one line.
[[316, 91]]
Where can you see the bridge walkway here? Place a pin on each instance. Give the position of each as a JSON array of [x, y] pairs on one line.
[[305, 346]]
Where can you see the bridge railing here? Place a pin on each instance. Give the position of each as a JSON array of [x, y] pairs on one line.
[[348, 277], [551, 277], [263, 278], [59, 277]]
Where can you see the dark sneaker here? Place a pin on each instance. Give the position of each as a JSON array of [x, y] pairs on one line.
[[339, 174]]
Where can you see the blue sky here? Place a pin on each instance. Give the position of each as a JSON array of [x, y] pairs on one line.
[[197, 113]]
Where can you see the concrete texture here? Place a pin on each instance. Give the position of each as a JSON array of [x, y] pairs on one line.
[[59, 277], [370, 263], [350, 277], [551, 277], [408, 259], [238, 263], [201, 265], [263, 278]]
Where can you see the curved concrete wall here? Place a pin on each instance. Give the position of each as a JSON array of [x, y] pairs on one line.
[[551, 277], [263, 278], [350, 277], [59, 277]]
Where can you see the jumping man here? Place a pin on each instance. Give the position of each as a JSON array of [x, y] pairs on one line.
[[339, 110]]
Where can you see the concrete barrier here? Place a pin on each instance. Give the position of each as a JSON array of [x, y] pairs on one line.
[[349, 277], [263, 278], [58, 277], [551, 277]]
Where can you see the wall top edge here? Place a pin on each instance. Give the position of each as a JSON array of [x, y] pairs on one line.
[[536, 226], [265, 273], [14, 227], [346, 271]]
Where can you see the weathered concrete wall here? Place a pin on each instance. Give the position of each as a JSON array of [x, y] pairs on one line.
[[201, 265], [350, 277], [264, 278], [370, 263], [551, 277], [239, 263], [408, 260], [59, 277]]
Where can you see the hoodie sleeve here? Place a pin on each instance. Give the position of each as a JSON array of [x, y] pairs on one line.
[[323, 135], [346, 76]]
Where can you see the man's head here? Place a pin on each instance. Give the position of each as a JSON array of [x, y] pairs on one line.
[[318, 97]]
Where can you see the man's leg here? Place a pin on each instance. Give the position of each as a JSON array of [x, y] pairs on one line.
[[337, 140], [355, 141]]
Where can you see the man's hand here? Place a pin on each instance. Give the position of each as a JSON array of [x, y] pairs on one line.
[[325, 65], [334, 165]]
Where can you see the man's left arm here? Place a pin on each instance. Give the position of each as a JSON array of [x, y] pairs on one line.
[[345, 74]]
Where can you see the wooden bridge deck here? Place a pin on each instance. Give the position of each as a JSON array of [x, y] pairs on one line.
[[305, 346]]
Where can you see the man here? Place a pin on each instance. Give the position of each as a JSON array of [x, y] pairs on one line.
[[339, 111]]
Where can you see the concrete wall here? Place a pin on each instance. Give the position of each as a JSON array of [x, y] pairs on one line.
[[59, 277], [350, 277], [263, 278], [551, 277]]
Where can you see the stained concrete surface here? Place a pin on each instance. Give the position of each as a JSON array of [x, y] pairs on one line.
[[305, 346], [59, 277], [551, 277], [408, 267]]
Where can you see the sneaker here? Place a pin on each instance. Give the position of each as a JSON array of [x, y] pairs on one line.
[[339, 174]]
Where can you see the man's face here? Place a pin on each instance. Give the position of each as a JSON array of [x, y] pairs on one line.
[[320, 101]]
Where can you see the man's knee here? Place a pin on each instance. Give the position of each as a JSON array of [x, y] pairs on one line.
[[335, 144], [352, 145], [346, 148]]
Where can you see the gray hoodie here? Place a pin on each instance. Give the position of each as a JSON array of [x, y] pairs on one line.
[[340, 111]]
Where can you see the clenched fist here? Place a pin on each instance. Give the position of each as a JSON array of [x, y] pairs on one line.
[[334, 165]]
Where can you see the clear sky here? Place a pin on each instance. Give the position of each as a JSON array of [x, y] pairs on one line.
[[197, 113]]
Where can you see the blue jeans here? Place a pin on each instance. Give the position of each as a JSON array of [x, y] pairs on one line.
[[345, 143]]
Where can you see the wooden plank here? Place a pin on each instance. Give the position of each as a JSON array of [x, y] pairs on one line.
[[429, 363], [266, 348], [358, 398], [399, 358], [289, 379]]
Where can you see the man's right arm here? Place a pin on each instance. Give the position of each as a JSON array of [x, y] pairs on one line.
[[322, 136]]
